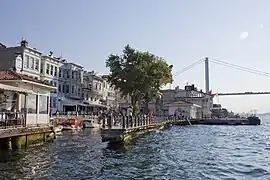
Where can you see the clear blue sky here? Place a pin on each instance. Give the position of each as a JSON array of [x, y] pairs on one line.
[[87, 31]]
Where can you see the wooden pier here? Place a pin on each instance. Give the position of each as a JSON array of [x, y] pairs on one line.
[[115, 130]]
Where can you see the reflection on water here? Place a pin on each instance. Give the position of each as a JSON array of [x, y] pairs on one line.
[[191, 152]]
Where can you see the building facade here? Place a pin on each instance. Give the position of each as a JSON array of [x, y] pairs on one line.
[[21, 59], [189, 94], [49, 72], [34, 102], [70, 83], [77, 90]]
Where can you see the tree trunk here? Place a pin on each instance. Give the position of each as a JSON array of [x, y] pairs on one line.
[[134, 103], [146, 106]]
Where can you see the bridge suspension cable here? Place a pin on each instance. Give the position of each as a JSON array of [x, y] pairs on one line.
[[189, 67], [241, 68]]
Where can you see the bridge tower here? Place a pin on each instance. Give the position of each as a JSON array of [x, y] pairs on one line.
[[206, 73]]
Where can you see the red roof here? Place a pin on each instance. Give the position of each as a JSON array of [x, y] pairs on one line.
[[11, 75]]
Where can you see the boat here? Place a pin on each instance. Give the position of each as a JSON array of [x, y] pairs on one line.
[[70, 124], [90, 123]]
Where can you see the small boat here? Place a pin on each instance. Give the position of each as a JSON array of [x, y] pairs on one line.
[[90, 123]]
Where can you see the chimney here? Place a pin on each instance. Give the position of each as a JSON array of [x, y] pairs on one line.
[[51, 53], [24, 43]]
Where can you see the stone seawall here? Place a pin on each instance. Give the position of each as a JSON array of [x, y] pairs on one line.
[[16, 138]]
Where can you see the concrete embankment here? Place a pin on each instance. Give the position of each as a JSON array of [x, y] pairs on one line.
[[16, 138]]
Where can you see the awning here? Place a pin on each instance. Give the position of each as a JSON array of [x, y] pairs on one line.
[[13, 88]]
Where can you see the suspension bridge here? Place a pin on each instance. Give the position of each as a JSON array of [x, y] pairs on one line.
[[226, 64]]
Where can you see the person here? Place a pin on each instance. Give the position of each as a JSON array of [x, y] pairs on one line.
[[129, 115], [129, 111]]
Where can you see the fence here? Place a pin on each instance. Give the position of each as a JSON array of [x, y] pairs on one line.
[[131, 121], [12, 120]]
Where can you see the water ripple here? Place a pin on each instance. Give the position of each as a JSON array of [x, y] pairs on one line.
[[191, 153]]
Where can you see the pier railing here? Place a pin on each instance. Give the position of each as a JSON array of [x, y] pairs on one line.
[[126, 122], [12, 120]]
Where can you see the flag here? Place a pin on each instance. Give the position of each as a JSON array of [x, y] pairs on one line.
[[210, 92]]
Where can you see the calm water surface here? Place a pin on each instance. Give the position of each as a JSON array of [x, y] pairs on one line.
[[190, 152]]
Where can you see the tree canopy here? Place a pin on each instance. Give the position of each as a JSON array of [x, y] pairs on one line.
[[139, 75]]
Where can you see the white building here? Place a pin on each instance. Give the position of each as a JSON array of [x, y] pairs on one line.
[[49, 72], [184, 109], [109, 93], [70, 87], [93, 91], [34, 101], [189, 94], [21, 59]]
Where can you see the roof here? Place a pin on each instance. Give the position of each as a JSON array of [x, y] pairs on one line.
[[2, 45], [13, 88], [182, 102], [11, 75]]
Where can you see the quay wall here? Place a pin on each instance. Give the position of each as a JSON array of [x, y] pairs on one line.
[[16, 138]]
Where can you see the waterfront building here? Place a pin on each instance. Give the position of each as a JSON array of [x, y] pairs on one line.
[[189, 94], [49, 72], [21, 59], [184, 109], [70, 87], [26, 96], [109, 93], [93, 91]]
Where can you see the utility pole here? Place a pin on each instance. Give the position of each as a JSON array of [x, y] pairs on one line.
[[206, 71]]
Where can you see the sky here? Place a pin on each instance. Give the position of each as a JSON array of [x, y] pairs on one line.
[[180, 31]]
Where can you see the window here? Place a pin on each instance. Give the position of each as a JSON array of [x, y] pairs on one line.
[[32, 62], [72, 89], [63, 88], [32, 103], [55, 85], [67, 74], [72, 75], [47, 69], [55, 71], [22, 100], [79, 91], [37, 64], [64, 74], [26, 61], [51, 82], [43, 104], [67, 88], [54, 102], [96, 86], [41, 67], [59, 87], [51, 70], [60, 73]]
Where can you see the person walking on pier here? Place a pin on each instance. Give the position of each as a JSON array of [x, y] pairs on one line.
[[129, 114]]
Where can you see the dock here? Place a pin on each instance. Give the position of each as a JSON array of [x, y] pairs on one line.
[[120, 129]]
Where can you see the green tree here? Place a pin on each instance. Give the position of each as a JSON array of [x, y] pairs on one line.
[[138, 75], [157, 73], [125, 74]]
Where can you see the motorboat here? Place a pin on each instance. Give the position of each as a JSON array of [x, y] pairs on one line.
[[90, 123]]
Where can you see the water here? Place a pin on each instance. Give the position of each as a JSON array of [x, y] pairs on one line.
[[190, 152]]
